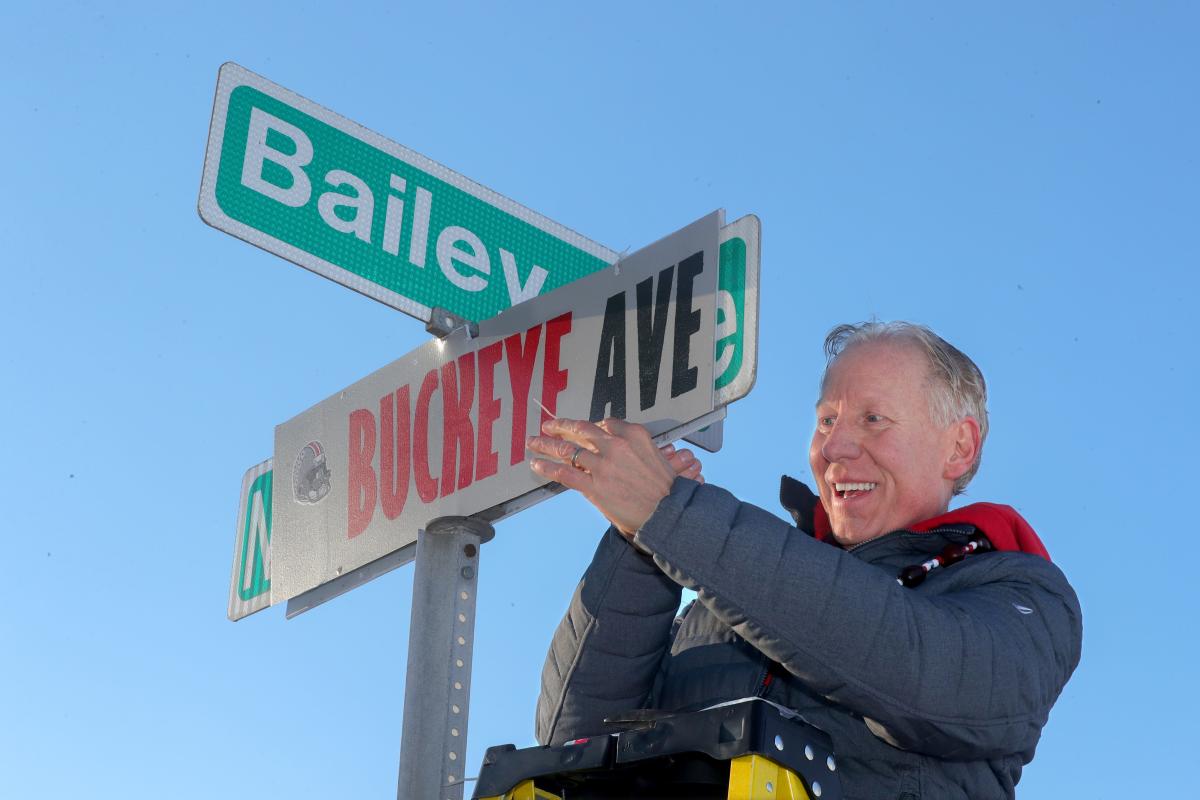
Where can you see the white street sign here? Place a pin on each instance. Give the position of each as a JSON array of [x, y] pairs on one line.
[[736, 348], [442, 430], [736, 340]]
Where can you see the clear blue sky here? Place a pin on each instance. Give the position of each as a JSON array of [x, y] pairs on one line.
[[1023, 179]]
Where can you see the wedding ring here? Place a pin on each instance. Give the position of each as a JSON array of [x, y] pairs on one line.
[[575, 455]]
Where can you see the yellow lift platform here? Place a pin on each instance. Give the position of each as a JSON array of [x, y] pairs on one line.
[[746, 750]]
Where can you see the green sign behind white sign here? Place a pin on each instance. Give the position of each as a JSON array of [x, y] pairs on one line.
[[250, 584]]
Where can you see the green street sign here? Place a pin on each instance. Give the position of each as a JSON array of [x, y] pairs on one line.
[[302, 182], [736, 350], [250, 584]]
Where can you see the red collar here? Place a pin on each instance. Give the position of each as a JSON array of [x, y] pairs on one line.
[[1003, 526]]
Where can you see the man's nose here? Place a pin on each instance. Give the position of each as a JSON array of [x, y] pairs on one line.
[[841, 443]]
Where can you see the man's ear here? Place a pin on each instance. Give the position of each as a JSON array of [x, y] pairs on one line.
[[966, 444]]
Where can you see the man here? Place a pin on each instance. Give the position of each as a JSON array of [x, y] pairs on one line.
[[933, 677]]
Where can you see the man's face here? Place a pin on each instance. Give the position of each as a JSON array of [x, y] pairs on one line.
[[879, 460]]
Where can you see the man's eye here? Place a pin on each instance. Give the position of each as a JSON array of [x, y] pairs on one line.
[[825, 422], [874, 418]]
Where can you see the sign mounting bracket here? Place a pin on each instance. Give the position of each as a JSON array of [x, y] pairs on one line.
[[443, 322]]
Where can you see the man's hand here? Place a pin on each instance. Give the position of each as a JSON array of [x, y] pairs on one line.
[[614, 464]]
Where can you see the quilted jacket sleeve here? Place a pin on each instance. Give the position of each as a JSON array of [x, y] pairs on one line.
[[962, 675], [606, 651]]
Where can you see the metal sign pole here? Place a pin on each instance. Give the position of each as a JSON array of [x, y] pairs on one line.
[[437, 690]]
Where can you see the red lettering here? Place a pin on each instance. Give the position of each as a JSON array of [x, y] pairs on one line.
[[486, 460], [520, 375], [394, 417], [361, 494], [554, 380], [427, 485], [458, 436]]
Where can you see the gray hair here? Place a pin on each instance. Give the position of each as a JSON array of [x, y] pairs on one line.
[[957, 387]]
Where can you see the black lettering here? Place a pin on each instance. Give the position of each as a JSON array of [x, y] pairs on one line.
[[652, 330], [687, 322], [609, 387]]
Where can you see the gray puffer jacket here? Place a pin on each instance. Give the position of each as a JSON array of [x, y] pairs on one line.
[[939, 691]]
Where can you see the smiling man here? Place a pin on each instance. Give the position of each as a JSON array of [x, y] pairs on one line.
[[929, 644], [890, 448]]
